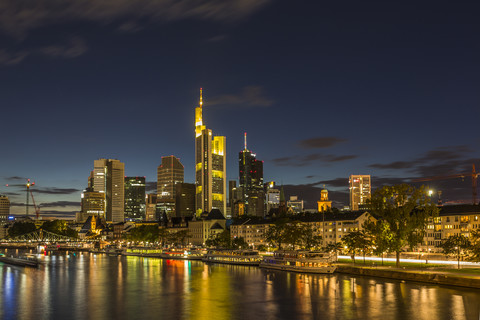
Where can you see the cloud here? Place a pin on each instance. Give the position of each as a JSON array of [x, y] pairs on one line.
[[56, 190], [59, 204], [251, 96], [18, 17], [129, 27], [15, 178], [74, 48], [58, 214], [12, 194], [320, 142], [12, 58], [440, 161], [302, 161], [218, 38], [150, 186]]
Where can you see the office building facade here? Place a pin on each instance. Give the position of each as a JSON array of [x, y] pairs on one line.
[[251, 181], [108, 178], [210, 167], [135, 198], [360, 191], [4, 208]]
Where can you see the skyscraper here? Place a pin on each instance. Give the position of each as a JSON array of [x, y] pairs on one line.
[[169, 173], [4, 208], [108, 178], [251, 181], [135, 198], [360, 191], [210, 167], [93, 204], [185, 200]]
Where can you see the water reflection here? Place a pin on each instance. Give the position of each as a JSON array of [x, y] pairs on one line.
[[90, 286]]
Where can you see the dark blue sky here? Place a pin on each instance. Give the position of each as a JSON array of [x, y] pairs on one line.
[[324, 90]]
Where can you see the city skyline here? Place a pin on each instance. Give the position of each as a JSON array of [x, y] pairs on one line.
[[322, 97]]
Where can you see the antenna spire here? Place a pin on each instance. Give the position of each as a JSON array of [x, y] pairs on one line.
[[201, 97], [245, 141]]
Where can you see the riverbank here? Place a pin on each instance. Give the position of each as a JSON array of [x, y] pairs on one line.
[[440, 277]]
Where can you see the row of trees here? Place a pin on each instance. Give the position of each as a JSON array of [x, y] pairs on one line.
[[402, 213], [55, 226], [293, 234], [223, 240], [152, 233]]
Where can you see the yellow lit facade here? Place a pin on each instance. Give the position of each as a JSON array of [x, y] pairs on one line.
[[210, 166], [324, 204]]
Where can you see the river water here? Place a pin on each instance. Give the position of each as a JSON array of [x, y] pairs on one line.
[[98, 286]]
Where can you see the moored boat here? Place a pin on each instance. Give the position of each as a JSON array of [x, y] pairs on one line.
[[300, 261], [183, 254], [20, 261], [240, 257]]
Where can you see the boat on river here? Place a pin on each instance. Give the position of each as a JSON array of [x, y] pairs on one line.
[[183, 254], [26, 261], [300, 261], [240, 257]]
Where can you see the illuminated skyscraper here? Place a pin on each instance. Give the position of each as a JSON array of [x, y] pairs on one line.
[[108, 178], [251, 182], [360, 191], [135, 198], [210, 167], [4, 208]]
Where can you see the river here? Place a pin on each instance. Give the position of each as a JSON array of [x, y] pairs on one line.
[[98, 286]]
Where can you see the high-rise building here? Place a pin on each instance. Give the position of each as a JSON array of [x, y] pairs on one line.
[[4, 208], [135, 198], [210, 167], [185, 200], [360, 191], [251, 181], [108, 178], [93, 204], [169, 173]]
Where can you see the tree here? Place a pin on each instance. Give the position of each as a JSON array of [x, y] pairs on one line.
[[381, 236], [352, 243], [220, 240], [406, 211], [276, 233], [456, 245], [308, 237], [163, 235], [475, 245], [334, 247], [144, 233], [179, 237], [20, 228], [59, 227], [239, 243]]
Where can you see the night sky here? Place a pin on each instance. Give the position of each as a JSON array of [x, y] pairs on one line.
[[323, 89]]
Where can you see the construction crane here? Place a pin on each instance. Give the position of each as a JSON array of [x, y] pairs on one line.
[[28, 193], [473, 174]]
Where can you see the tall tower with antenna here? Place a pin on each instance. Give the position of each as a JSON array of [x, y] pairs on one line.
[[210, 166], [251, 181]]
